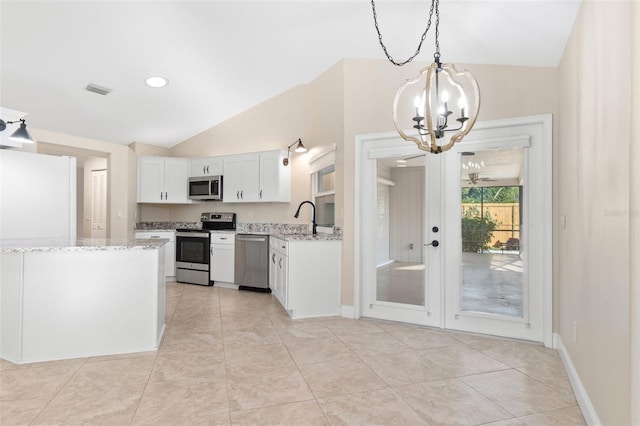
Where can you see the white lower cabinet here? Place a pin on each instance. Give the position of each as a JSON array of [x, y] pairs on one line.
[[222, 257], [279, 270], [169, 251], [305, 276]]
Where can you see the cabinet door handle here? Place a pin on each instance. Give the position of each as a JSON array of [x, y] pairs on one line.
[[238, 194], [207, 169], [280, 263], [203, 170], [166, 196], [261, 194], [242, 195], [273, 258], [161, 195], [211, 250]]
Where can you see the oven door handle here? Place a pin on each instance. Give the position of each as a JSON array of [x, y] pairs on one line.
[[193, 234]]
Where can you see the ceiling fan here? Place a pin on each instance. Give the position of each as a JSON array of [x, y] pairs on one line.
[[474, 178]]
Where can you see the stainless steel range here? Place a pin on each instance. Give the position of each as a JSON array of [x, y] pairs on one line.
[[193, 248]]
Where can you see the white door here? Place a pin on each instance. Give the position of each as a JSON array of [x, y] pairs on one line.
[[486, 230], [98, 204], [402, 288]]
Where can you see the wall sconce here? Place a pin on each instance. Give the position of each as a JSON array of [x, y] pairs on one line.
[[299, 148], [20, 135]]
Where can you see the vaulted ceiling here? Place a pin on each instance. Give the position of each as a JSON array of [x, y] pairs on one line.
[[224, 57]]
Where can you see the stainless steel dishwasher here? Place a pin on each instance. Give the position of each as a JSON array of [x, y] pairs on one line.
[[252, 262]]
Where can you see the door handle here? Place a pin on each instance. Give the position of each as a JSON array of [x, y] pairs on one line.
[[434, 243], [207, 169], [161, 195]]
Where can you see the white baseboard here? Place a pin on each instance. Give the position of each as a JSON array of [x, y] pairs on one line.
[[347, 311], [586, 406]]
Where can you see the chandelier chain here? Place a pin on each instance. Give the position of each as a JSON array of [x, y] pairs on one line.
[[436, 55], [434, 4]]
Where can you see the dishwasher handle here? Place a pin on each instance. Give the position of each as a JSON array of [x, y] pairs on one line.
[[251, 238]]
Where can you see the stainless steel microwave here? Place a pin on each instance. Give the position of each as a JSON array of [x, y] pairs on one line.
[[205, 188]]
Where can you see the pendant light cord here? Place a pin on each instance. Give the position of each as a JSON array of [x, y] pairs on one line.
[[436, 55]]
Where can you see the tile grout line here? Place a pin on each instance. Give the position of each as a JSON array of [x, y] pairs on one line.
[[167, 325], [58, 391], [315, 398]]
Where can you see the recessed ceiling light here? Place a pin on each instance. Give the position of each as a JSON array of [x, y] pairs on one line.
[[156, 81], [401, 161]]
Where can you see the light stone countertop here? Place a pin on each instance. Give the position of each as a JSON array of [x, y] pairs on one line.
[[307, 236], [287, 232], [49, 245]]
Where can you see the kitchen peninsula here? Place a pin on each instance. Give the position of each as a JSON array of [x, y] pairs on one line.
[[68, 299]]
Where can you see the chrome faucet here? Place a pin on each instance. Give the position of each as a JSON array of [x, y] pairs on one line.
[[313, 221]]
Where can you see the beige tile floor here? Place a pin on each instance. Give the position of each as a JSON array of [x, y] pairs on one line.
[[232, 357]]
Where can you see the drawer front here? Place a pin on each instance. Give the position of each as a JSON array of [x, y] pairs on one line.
[[227, 238], [281, 246], [145, 235]]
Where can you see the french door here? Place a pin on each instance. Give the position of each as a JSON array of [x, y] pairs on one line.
[[468, 231]]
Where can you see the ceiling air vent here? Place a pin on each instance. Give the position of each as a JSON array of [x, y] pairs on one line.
[[97, 89]]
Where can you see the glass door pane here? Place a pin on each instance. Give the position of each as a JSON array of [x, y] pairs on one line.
[[400, 217], [491, 260]]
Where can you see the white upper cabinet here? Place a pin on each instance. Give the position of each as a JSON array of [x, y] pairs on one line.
[[162, 180], [256, 177], [275, 177], [211, 166], [241, 178]]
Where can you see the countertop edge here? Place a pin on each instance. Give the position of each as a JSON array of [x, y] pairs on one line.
[[41, 246]]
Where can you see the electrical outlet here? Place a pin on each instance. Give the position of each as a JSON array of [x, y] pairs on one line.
[[575, 332]]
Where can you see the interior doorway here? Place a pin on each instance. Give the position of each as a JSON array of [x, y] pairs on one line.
[[87, 161], [477, 265], [99, 204]]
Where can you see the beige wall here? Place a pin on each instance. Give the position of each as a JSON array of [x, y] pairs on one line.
[[593, 186], [122, 185], [634, 219]]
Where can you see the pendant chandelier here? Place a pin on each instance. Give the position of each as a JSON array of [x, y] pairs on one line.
[[442, 102]]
